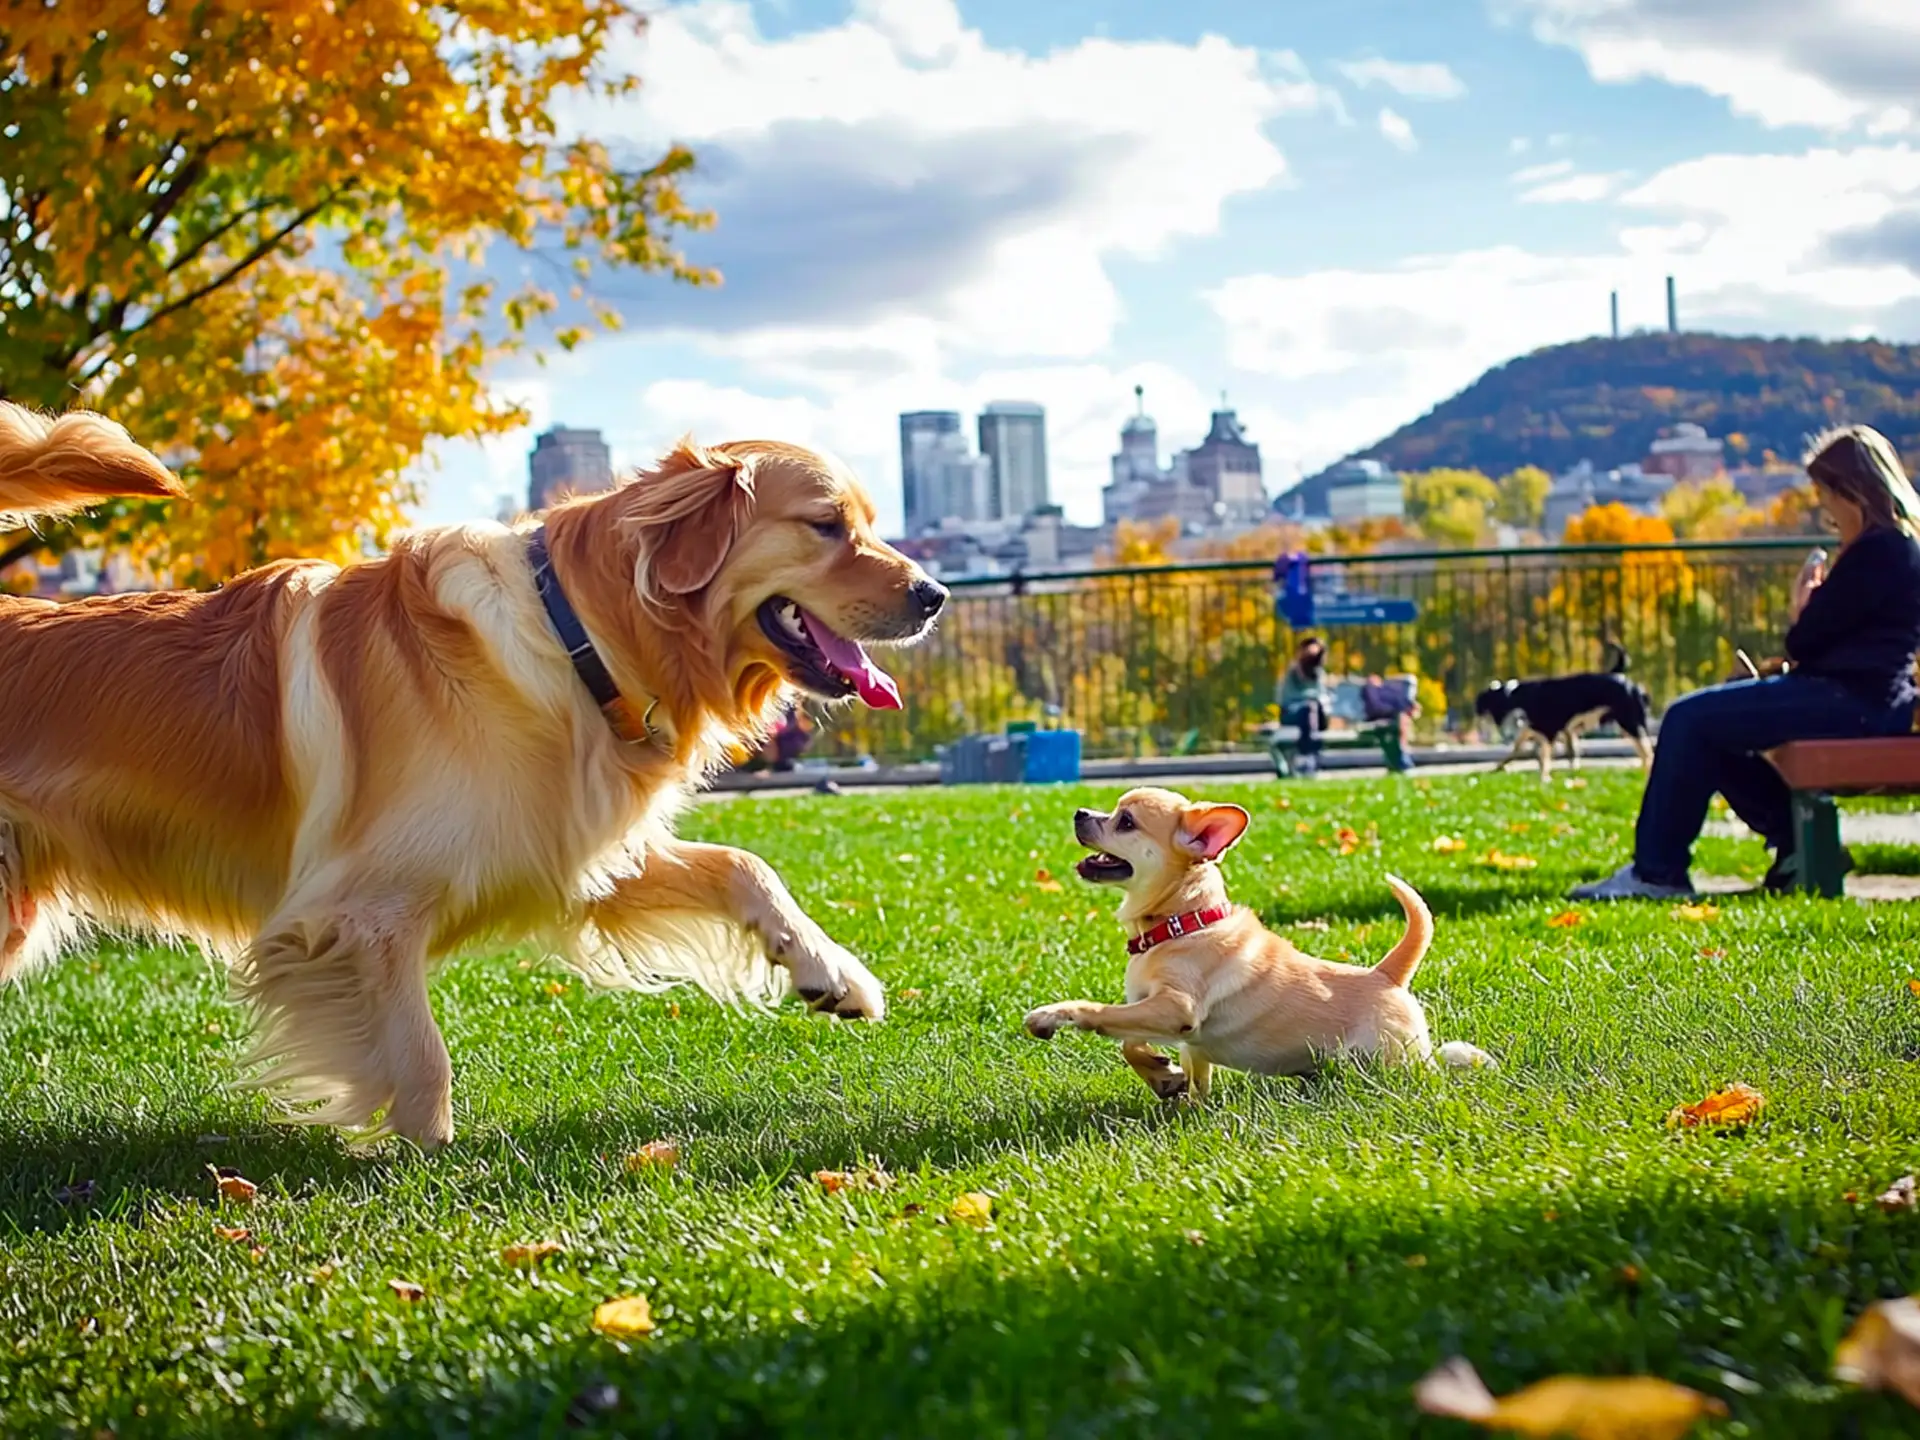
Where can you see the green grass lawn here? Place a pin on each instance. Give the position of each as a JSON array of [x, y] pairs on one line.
[[1286, 1261]]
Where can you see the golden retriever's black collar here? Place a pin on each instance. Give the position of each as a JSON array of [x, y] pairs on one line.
[[1175, 926], [587, 663]]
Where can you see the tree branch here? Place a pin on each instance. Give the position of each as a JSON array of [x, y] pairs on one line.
[[233, 272]]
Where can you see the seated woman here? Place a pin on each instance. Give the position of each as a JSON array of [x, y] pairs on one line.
[[1850, 656], [1303, 701]]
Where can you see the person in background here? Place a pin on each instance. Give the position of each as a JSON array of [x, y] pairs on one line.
[[1848, 675], [1303, 699], [790, 740], [1382, 701]]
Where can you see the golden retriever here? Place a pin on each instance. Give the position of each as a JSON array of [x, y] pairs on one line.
[[1207, 976], [331, 777]]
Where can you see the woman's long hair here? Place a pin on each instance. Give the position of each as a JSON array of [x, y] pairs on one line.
[[1858, 463]]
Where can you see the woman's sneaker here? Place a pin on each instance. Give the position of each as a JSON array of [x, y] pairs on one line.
[[1624, 884]]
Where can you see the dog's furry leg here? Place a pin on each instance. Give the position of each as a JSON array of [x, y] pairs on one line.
[[1163, 1016], [1642, 747], [1161, 1075], [732, 886], [33, 923], [344, 1020], [1573, 748], [1545, 751], [1519, 744], [1199, 1072]]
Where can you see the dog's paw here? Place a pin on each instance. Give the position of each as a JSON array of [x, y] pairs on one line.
[[1171, 1086], [829, 979], [1045, 1022]]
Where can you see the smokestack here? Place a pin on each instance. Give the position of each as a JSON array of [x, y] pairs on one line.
[[1613, 301], [1673, 310]]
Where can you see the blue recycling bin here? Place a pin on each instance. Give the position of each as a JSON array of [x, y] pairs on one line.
[[1053, 757]]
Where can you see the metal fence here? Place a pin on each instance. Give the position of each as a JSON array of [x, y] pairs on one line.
[[1186, 657]]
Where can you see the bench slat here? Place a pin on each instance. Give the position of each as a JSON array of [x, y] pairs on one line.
[[1888, 764]]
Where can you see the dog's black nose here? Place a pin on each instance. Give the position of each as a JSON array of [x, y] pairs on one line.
[[1084, 817], [928, 597]]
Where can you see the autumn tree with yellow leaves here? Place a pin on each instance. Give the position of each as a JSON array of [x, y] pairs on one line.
[[256, 236]]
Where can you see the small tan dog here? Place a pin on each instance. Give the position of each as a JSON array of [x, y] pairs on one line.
[[1207, 976]]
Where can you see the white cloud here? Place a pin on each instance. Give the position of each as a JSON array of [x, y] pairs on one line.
[[1417, 80], [1836, 64], [1573, 188], [1519, 145], [894, 185], [1750, 239], [1398, 132], [1534, 174]]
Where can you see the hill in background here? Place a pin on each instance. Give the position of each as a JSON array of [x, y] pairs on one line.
[[1606, 400]]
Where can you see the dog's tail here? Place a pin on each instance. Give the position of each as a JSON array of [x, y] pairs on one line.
[[55, 464], [1405, 958]]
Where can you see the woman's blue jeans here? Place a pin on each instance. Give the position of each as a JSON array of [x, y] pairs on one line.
[[1309, 718], [1711, 741]]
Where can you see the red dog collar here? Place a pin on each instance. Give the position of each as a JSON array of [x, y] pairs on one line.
[[1175, 926]]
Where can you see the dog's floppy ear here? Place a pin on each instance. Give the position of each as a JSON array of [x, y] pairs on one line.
[[690, 509], [1207, 832]]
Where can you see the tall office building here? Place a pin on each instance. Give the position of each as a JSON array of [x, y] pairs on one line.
[[568, 462], [940, 478], [925, 437], [1013, 438]]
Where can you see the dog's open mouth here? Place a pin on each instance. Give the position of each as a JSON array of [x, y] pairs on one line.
[[1104, 869], [822, 661]]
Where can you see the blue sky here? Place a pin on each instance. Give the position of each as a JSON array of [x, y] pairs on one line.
[[1337, 213]]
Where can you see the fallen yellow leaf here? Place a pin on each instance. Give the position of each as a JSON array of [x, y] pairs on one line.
[[525, 1257], [1043, 878], [1914, 986], [257, 1254], [1735, 1105], [1882, 1351], [1901, 1195], [556, 987], [908, 994], [1566, 919], [654, 1155], [1701, 912], [232, 1185], [864, 1177], [1576, 783], [407, 1290], [231, 1233], [629, 1315], [1500, 860], [1448, 845], [1629, 1407], [320, 1274], [973, 1208]]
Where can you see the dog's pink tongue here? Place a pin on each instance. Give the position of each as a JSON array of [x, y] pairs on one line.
[[850, 658]]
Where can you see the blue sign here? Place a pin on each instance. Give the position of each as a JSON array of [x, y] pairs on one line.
[[1296, 604]]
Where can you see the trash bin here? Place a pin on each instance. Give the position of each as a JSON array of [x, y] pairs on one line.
[[1053, 757]]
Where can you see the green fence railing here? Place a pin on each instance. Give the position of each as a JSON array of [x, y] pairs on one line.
[[1148, 659]]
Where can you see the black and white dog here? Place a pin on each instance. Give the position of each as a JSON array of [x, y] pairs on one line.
[[1561, 708]]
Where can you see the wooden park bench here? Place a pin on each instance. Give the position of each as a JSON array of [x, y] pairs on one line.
[[1818, 770], [1283, 741]]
